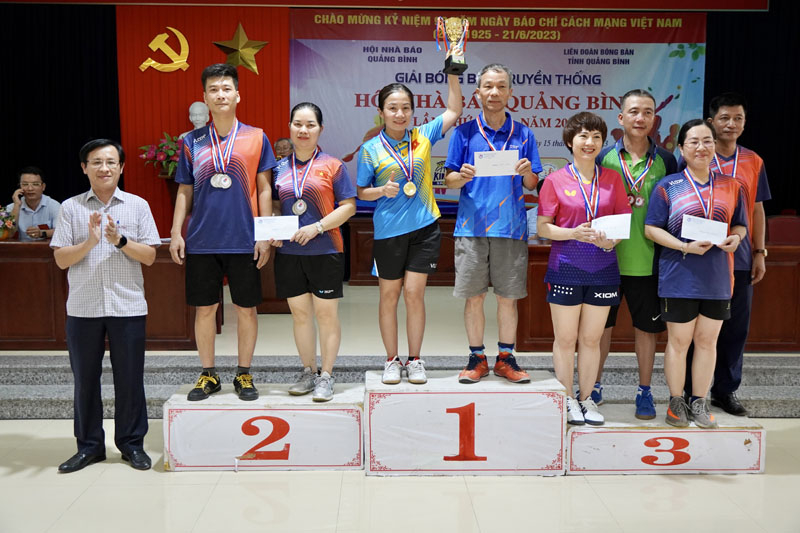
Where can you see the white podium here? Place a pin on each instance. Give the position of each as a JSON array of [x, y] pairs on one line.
[[448, 428], [275, 432], [625, 445]]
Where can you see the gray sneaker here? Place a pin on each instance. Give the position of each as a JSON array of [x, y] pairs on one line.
[[304, 383], [702, 418], [678, 412], [323, 388]]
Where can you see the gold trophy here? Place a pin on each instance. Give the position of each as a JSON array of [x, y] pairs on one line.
[[453, 31]]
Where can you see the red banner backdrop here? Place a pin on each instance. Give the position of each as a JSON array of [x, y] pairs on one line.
[[153, 101]]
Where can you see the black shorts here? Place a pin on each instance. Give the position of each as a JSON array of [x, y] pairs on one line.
[[641, 294], [417, 251], [682, 310], [321, 275], [204, 273], [598, 295]]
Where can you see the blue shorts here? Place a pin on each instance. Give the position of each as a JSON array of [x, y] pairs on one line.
[[599, 295]]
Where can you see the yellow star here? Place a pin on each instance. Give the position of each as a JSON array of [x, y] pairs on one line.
[[241, 50]]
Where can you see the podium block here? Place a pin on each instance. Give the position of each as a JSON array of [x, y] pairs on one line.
[[625, 445], [275, 432], [448, 428]]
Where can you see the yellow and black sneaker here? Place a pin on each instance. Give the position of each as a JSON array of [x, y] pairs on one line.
[[243, 384], [205, 387]]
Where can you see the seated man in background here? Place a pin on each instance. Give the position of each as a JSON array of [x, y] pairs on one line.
[[35, 212], [283, 148]]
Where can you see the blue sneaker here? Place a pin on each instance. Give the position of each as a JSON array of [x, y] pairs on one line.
[[597, 394], [645, 407]]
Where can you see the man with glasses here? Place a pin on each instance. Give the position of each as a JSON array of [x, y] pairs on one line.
[[104, 236], [35, 213]]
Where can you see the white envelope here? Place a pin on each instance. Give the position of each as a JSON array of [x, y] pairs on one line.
[[278, 228], [615, 226], [703, 229], [496, 163]]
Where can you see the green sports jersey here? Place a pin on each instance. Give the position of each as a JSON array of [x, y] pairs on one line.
[[635, 255]]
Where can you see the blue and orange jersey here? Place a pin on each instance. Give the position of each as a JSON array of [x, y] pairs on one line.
[[752, 176], [327, 183], [574, 262], [492, 206], [222, 219], [402, 214], [708, 276]]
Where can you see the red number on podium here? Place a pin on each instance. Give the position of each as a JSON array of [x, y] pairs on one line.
[[280, 428], [678, 457], [466, 434]]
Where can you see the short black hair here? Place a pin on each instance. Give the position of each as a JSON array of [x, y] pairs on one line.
[[30, 170], [726, 100], [636, 92], [93, 145], [582, 121], [689, 124], [220, 70]]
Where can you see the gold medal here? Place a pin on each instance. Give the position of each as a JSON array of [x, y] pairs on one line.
[[410, 189]]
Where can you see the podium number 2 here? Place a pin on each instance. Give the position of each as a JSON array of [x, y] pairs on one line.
[[466, 434], [678, 457], [280, 428]]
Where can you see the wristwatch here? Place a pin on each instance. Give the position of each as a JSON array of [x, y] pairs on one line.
[[320, 229], [761, 251], [42, 234], [123, 240]]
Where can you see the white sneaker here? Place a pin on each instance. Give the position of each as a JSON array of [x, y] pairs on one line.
[[392, 370], [415, 368], [591, 414], [574, 414]]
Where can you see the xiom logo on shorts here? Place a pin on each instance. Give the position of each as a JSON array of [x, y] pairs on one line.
[[605, 294], [433, 265], [325, 291]]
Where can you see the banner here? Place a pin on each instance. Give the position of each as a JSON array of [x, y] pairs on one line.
[[563, 63]]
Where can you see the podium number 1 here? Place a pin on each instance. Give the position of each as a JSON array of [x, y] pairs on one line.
[[466, 434]]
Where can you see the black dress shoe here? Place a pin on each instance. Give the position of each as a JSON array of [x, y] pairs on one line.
[[80, 460], [138, 459], [729, 403]]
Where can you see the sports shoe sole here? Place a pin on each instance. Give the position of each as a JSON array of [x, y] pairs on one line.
[[468, 380], [205, 397], [644, 417], [676, 423], [521, 380], [299, 393], [418, 381]]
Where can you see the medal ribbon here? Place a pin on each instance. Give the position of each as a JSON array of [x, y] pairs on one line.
[[735, 163], [708, 209], [440, 28], [486, 138], [408, 170], [634, 185], [222, 157], [591, 202], [298, 187]]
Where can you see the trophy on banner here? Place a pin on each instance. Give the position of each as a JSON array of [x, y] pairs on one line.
[[453, 31]]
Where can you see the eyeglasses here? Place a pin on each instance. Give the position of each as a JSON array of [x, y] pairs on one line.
[[708, 143], [30, 184], [98, 163]]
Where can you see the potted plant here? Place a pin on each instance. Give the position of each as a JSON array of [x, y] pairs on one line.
[[163, 155]]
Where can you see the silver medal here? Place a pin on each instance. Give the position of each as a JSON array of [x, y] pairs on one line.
[[299, 207]]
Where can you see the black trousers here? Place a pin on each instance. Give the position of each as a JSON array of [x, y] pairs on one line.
[[731, 340], [86, 344]]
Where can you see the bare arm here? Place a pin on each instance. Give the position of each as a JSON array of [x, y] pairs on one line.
[[370, 194], [334, 219], [667, 240], [264, 191], [456, 180], [67, 256], [454, 103], [758, 235], [183, 205], [144, 253]]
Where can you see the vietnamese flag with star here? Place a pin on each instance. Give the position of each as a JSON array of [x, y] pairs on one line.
[[161, 53]]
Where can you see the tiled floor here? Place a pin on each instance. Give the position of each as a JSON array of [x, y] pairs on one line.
[[112, 497]]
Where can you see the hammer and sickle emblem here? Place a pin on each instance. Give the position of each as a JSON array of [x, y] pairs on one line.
[[159, 42]]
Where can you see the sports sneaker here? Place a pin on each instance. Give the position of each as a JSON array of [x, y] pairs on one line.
[[574, 414], [392, 371], [645, 406], [323, 388], [597, 394], [476, 368], [506, 367], [702, 418], [415, 370], [304, 383], [591, 415], [243, 385], [205, 387], [677, 412]]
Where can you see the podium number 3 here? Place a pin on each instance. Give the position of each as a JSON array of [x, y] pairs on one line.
[[466, 434], [280, 428], [678, 457]]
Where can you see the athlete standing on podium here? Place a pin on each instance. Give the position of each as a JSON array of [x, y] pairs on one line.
[[394, 168], [225, 172]]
